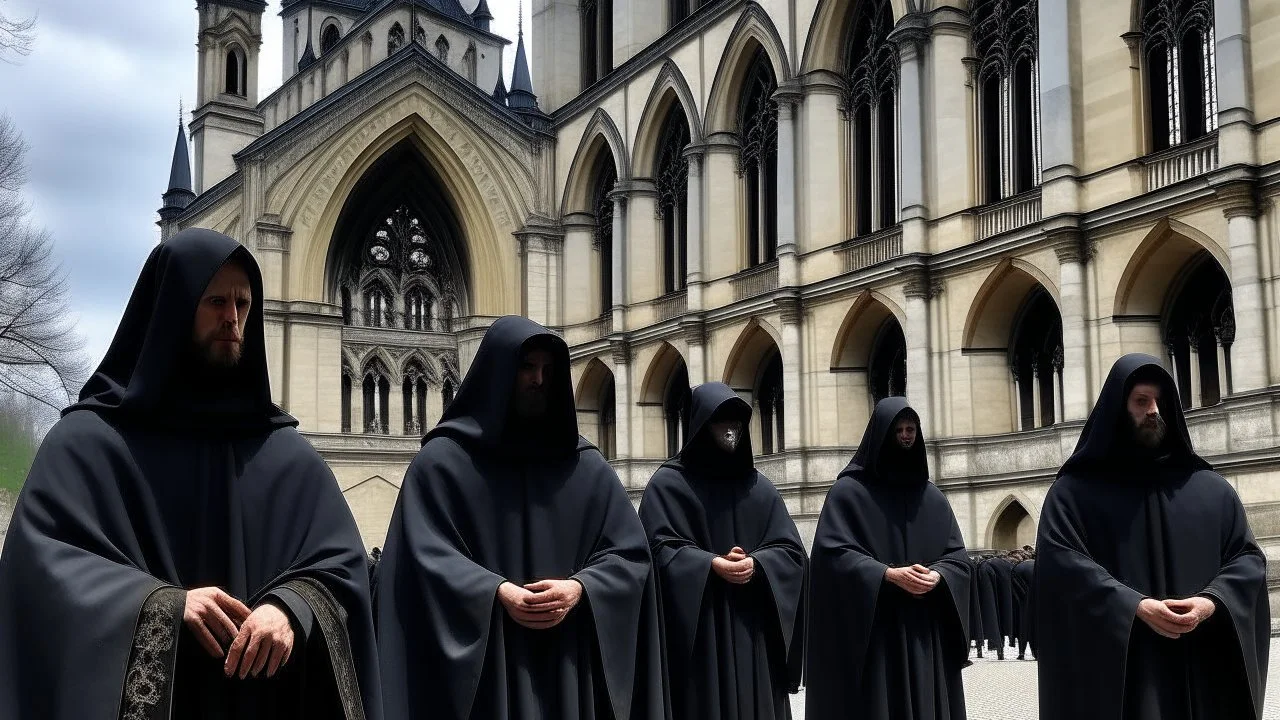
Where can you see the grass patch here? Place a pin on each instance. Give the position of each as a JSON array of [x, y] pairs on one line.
[[17, 449]]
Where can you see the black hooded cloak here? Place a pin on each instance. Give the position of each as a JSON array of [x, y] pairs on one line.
[[1121, 524], [976, 631], [727, 645], [160, 480], [1022, 608], [874, 650], [488, 501]]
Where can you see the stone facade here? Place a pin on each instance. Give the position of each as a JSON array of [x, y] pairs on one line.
[[986, 234]]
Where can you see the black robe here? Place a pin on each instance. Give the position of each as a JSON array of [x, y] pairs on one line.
[[989, 591], [157, 482], [874, 651], [1022, 574], [733, 651], [976, 631], [486, 502], [1121, 524]]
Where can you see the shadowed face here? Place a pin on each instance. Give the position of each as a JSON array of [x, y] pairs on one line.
[[1144, 410], [532, 379], [905, 431], [218, 329], [727, 433]]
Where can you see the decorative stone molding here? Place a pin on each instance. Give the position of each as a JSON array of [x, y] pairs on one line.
[[620, 351], [1071, 244], [1238, 199], [921, 284], [911, 35], [694, 330], [791, 307]]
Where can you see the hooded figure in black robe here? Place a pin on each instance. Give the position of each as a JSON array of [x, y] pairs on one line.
[[1135, 525], [1023, 612], [734, 646], [876, 651], [171, 474], [976, 631], [498, 496]]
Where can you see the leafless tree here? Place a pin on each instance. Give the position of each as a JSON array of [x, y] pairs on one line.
[[17, 37], [40, 353]]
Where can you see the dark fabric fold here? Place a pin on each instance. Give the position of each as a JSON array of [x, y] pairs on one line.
[[875, 651], [732, 650], [1121, 524]]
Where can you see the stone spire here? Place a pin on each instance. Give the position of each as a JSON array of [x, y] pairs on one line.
[[309, 55], [481, 15], [500, 92], [179, 194], [521, 96]]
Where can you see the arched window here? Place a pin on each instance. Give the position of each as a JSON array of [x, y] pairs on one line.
[[377, 306], [673, 194], [887, 373], [608, 421], [442, 49], [758, 133], [395, 39], [377, 398], [597, 40], [1006, 38], [329, 38], [770, 399], [346, 401], [1036, 362], [675, 410], [417, 310], [873, 127], [235, 79], [1200, 328], [419, 35], [414, 396], [1179, 57], [469, 63], [606, 176]]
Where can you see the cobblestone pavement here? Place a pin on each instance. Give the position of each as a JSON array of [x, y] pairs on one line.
[[1006, 690]]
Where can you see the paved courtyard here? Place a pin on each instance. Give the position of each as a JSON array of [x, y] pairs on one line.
[[1006, 690]]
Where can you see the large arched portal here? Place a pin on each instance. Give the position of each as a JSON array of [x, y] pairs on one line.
[[398, 265]]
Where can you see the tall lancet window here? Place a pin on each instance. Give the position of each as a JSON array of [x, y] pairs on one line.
[[769, 399], [872, 107], [1036, 362], [597, 40], [377, 397], [395, 39], [1005, 35], [329, 38], [442, 49], [673, 196], [675, 410], [236, 72], [758, 163], [1178, 50], [606, 176]]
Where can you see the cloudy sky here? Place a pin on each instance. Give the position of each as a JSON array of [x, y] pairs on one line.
[[97, 101]]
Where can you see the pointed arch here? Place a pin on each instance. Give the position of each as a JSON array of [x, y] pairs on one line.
[[430, 370], [754, 30], [669, 87], [595, 401], [854, 340], [1007, 521], [668, 360], [750, 350], [995, 307], [1156, 263], [379, 356], [826, 45], [601, 133]]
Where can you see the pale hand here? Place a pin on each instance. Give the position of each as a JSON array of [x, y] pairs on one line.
[[540, 605], [916, 580], [1198, 608], [736, 567], [1164, 621], [265, 642], [214, 617]]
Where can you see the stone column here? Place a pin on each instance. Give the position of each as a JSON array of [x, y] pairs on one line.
[[693, 229], [1058, 117], [1017, 398], [920, 288], [619, 262], [1058, 415], [1073, 251], [1197, 384], [911, 36], [1226, 335], [540, 251], [1249, 352], [1234, 75], [695, 333], [395, 406], [1037, 401], [621, 352], [1173, 367], [792, 372], [788, 266]]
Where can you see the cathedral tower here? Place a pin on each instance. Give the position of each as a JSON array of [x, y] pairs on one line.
[[226, 117]]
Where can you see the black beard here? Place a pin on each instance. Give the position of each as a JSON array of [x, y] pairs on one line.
[[1150, 433]]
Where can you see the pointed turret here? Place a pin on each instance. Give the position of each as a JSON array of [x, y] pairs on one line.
[[481, 16], [179, 194], [521, 96], [309, 54], [500, 92]]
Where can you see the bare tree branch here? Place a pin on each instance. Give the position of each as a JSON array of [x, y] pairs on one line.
[[17, 38], [41, 355]]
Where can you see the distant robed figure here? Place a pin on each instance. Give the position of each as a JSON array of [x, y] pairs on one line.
[[1149, 590]]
